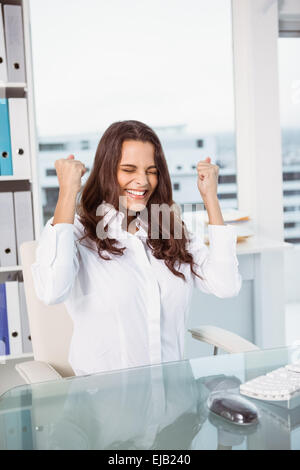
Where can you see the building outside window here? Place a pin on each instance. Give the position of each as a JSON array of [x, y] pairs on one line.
[[289, 75]]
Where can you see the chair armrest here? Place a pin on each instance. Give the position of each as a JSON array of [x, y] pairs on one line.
[[223, 339], [37, 371]]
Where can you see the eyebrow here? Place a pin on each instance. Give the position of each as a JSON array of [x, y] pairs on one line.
[[134, 166]]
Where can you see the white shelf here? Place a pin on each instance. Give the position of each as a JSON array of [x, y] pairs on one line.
[[20, 356], [12, 85], [256, 244], [14, 178], [252, 245], [8, 269]]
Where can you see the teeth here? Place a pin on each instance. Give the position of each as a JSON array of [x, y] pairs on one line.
[[137, 193]]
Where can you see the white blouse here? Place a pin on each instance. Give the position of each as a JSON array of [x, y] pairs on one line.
[[131, 310]]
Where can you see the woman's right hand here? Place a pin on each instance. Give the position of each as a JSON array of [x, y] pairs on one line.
[[69, 173]]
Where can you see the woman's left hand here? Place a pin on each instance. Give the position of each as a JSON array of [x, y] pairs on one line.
[[207, 178]]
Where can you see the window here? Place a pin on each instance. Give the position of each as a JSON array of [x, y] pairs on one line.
[[51, 195], [227, 196], [50, 172], [289, 79], [85, 144], [289, 174], [137, 61], [292, 192], [51, 146], [227, 179]]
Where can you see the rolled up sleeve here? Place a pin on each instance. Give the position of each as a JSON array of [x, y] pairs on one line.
[[56, 264], [218, 263]]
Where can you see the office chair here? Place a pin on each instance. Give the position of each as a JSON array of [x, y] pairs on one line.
[[51, 330]]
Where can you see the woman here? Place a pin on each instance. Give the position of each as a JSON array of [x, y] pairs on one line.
[[125, 278]]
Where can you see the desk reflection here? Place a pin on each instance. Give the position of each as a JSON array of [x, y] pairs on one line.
[[151, 408]]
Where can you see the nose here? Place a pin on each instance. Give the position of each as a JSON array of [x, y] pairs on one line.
[[142, 181]]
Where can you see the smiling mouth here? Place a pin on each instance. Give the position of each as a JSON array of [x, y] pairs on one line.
[[136, 194]]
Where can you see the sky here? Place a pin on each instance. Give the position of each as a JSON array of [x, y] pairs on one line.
[[163, 62]]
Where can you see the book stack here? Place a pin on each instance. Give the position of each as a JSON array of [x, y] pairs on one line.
[[197, 223], [240, 219]]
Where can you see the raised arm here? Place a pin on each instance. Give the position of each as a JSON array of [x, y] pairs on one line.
[[69, 173], [208, 189], [57, 262], [218, 264]]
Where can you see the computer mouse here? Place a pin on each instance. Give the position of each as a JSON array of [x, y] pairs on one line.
[[233, 407], [230, 428]]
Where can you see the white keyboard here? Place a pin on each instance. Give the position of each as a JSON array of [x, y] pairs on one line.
[[278, 385]]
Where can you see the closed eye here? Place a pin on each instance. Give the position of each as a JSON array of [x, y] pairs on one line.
[[151, 172]]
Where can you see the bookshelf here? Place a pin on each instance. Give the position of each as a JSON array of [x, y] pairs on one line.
[[29, 182]]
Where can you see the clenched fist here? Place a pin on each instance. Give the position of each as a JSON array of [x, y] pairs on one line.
[[207, 178], [69, 173]]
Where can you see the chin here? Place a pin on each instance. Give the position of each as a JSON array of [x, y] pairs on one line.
[[136, 206]]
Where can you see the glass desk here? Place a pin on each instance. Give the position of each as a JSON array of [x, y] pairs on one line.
[[159, 407]]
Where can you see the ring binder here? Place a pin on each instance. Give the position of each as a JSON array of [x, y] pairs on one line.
[[5, 143], [7, 231], [19, 137], [3, 62], [23, 219], [13, 27], [13, 315]]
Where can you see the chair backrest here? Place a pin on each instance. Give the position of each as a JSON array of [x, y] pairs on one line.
[[51, 326]]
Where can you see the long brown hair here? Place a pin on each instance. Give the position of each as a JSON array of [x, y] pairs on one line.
[[102, 185]]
